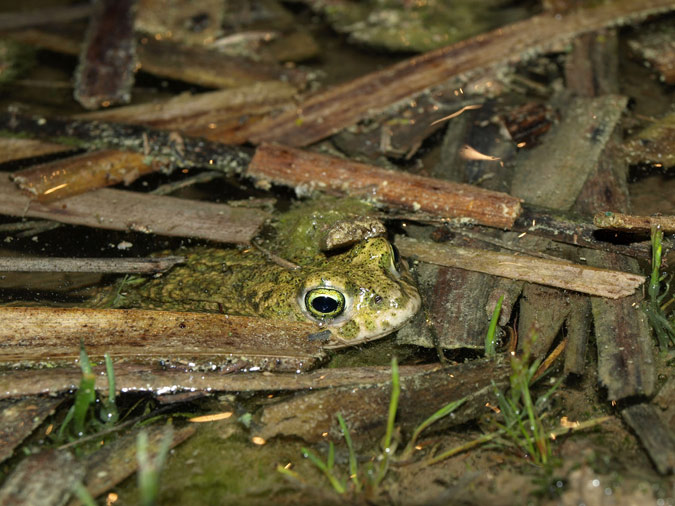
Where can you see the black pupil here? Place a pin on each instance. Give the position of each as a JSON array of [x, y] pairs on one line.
[[324, 304]]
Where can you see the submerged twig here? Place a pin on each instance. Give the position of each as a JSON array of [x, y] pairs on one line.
[[167, 148]]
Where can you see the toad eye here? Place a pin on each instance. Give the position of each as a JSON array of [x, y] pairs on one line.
[[325, 302]]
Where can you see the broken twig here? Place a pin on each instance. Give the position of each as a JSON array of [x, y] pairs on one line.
[[305, 170]]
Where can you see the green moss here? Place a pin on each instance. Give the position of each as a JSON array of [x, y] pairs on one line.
[[349, 330], [302, 226]]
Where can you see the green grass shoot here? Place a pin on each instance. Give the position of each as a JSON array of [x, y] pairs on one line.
[[81, 419], [149, 468], [443, 412], [371, 476], [490, 337], [327, 468], [109, 413], [388, 446], [353, 461], [83, 495], [522, 418], [658, 289], [84, 398]]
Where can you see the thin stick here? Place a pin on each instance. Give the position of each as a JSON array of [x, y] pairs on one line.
[[100, 265]]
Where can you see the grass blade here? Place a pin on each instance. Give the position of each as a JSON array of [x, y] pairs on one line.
[[353, 465], [490, 340]]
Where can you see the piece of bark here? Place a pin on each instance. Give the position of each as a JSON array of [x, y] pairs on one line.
[[44, 16], [591, 68], [510, 291], [16, 149], [528, 122], [331, 110], [654, 434], [48, 477], [541, 316], [454, 303], [105, 73], [117, 460], [561, 274], [198, 341], [123, 210], [656, 47], [654, 144], [458, 304], [77, 174], [553, 174], [607, 189], [623, 339], [624, 342], [164, 58], [578, 328], [575, 228], [307, 171], [620, 221], [19, 418], [157, 380], [118, 265], [165, 148], [194, 23], [543, 312], [311, 415]]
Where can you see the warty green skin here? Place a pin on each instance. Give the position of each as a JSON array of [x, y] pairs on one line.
[[379, 296]]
